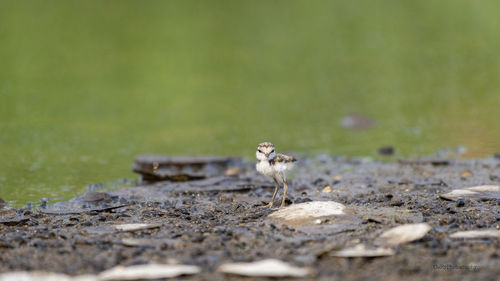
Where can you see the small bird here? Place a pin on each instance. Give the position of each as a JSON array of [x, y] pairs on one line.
[[274, 165]]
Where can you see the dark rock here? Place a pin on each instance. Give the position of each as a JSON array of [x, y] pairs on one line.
[[302, 200], [182, 168], [14, 221], [386, 150]]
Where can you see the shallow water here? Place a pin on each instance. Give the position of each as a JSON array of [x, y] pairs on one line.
[[86, 86]]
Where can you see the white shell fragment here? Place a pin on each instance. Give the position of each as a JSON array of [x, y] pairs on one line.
[[309, 210], [477, 234], [486, 188], [360, 250], [134, 226], [482, 191], [150, 271], [403, 234], [43, 276], [264, 268]]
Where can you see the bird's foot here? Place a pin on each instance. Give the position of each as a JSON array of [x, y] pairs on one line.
[[270, 205]]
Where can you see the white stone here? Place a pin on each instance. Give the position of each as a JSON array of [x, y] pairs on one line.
[[134, 226], [360, 250], [403, 234], [150, 271], [474, 192], [264, 268], [310, 210], [477, 234], [43, 276], [485, 188]]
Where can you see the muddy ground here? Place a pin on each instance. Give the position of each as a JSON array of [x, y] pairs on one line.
[[222, 219]]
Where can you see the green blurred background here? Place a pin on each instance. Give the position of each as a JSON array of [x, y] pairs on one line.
[[87, 85]]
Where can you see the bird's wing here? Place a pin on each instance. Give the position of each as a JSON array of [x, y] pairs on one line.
[[282, 158]]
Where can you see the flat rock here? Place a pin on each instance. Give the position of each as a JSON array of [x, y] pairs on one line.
[[181, 168], [309, 211], [264, 268], [150, 271], [14, 220]]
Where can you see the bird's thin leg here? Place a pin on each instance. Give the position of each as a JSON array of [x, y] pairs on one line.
[[270, 205], [285, 189]]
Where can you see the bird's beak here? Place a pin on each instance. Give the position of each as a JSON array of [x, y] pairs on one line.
[[267, 154]]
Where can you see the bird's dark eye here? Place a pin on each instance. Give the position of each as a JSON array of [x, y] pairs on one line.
[[260, 151], [272, 151]]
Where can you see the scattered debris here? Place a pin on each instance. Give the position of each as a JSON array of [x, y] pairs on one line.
[[150, 271], [360, 250], [264, 268], [489, 233], [403, 234], [482, 192]]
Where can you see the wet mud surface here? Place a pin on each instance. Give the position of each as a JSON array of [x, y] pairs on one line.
[[219, 219]]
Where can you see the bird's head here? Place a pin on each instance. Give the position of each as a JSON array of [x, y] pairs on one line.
[[265, 151]]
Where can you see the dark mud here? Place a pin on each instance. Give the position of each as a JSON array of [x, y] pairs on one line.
[[223, 219]]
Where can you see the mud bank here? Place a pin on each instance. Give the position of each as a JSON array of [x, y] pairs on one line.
[[222, 219]]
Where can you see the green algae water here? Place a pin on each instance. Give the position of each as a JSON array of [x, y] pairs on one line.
[[85, 86]]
